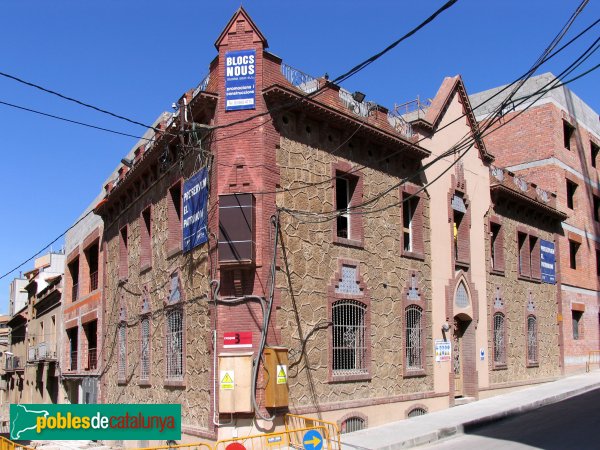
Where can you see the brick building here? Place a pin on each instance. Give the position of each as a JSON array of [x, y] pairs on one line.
[[379, 302], [82, 324], [555, 144]]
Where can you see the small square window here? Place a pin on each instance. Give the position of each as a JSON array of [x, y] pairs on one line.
[[573, 249], [571, 188]]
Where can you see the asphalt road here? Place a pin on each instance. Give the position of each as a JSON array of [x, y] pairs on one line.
[[570, 424]]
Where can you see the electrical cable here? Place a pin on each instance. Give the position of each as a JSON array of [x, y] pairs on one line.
[[74, 100]]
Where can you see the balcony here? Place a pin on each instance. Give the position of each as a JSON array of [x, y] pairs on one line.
[[75, 292], [92, 359], [301, 80], [46, 351], [13, 363], [32, 354], [73, 361], [93, 281]]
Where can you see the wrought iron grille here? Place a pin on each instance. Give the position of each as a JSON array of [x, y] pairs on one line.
[[415, 412], [462, 298], [122, 351], [352, 424], [145, 356], [301, 80], [349, 338], [413, 338], [532, 345], [92, 358], [175, 344], [499, 339], [202, 86], [93, 281]]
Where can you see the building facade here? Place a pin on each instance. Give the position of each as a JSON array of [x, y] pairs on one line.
[[82, 324], [343, 242], [554, 143]]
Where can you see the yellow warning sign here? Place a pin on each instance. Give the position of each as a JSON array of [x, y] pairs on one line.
[[281, 374], [227, 378]]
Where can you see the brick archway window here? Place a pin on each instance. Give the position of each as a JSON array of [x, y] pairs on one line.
[[499, 339], [532, 340], [352, 424], [174, 347], [416, 411], [414, 338], [349, 337]]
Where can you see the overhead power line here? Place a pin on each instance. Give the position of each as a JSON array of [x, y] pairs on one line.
[[74, 100]]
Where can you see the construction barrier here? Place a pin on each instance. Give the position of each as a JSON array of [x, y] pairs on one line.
[[6, 444], [193, 446], [593, 358], [293, 421], [304, 438]]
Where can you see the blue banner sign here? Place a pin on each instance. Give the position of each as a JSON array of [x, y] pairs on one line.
[[548, 262], [240, 80], [195, 198]]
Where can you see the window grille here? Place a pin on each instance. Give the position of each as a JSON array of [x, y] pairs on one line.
[[348, 285], [122, 351], [415, 412], [532, 345], [175, 344], [349, 338], [413, 338], [499, 339], [352, 424], [145, 356], [462, 297]]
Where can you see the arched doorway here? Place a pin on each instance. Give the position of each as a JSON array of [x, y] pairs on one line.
[[463, 352]]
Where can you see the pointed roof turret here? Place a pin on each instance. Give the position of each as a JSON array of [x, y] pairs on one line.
[[240, 22]]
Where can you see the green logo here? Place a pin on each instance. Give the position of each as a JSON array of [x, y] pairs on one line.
[[95, 422]]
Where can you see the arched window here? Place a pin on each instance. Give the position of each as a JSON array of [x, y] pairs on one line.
[[532, 343], [414, 341], [145, 350], [499, 339], [349, 337], [174, 345], [462, 297], [416, 411], [352, 424]]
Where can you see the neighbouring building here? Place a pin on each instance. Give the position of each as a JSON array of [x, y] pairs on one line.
[[555, 144], [4, 340], [82, 309], [32, 360], [17, 295], [376, 285]]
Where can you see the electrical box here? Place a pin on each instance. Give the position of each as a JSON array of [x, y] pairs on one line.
[[234, 379], [276, 377]]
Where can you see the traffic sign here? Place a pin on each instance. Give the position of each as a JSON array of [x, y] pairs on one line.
[[235, 446], [312, 440]]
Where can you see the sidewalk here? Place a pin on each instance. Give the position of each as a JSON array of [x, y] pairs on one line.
[[438, 425]]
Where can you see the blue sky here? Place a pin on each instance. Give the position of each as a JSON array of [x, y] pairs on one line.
[[136, 57]]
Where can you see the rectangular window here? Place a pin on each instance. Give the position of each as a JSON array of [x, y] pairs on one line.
[[534, 257], [409, 209], [73, 345], [174, 219], [571, 188], [595, 149], [568, 132], [524, 262], [495, 246], [342, 202], [92, 259], [90, 330], [576, 324], [146, 239], [573, 249], [122, 364], [597, 262], [123, 253], [349, 338], [74, 272], [596, 206]]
